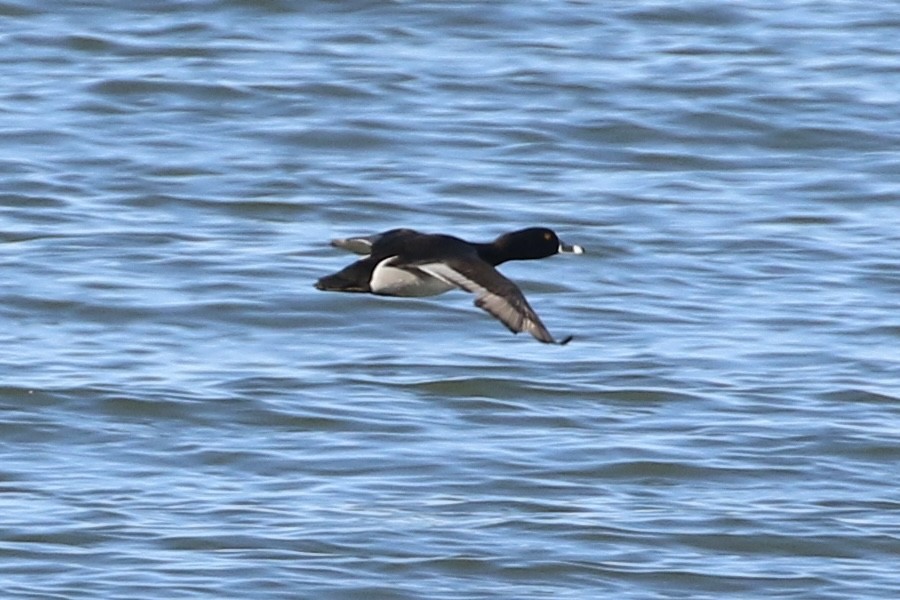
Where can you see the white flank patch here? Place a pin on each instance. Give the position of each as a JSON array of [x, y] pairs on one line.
[[389, 280]]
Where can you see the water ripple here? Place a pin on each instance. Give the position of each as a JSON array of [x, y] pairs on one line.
[[184, 415]]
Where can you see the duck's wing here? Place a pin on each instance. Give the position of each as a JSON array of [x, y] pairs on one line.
[[357, 245], [364, 244], [494, 293]]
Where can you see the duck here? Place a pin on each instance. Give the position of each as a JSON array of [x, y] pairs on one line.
[[408, 263]]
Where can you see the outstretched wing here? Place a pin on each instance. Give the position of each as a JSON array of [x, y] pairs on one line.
[[494, 293], [379, 243]]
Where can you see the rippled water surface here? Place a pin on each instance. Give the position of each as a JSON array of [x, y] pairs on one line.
[[182, 415]]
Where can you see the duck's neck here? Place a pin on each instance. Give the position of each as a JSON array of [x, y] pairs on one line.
[[490, 254]]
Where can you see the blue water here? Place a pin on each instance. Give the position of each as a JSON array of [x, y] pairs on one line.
[[182, 415]]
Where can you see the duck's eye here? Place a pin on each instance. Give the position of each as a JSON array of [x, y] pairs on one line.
[[547, 236]]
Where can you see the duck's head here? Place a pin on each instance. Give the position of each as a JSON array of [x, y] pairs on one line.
[[532, 243]]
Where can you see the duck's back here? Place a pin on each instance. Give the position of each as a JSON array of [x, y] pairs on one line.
[[411, 247]]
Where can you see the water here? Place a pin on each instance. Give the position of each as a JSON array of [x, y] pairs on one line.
[[184, 416]]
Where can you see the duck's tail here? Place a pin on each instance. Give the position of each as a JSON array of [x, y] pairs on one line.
[[353, 278]]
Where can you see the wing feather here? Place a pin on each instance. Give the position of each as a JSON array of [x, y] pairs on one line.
[[494, 293]]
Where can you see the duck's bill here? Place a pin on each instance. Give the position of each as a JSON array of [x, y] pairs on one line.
[[573, 249]]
